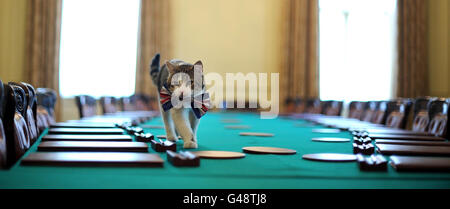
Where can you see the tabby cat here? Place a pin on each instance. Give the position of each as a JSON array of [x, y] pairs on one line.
[[183, 98]]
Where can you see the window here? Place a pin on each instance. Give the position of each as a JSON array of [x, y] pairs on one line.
[[98, 47], [357, 49]]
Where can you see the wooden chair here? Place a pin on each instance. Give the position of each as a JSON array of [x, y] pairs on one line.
[[370, 110], [356, 109], [421, 117], [16, 128], [294, 105], [126, 104], [300, 105], [108, 104], [30, 110], [379, 115], [438, 112], [3, 156], [332, 108], [325, 105], [46, 100], [289, 104], [143, 102], [313, 106], [34, 103], [87, 105], [396, 113]]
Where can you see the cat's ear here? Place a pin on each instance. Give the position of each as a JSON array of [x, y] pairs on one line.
[[198, 66], [171, 67]]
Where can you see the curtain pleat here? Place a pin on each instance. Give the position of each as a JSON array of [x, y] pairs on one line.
[[154, 37], [43, 43], [412, 73], [299, 71]]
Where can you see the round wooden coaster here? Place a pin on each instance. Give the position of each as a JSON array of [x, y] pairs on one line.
[[269, 150], [330, 139], [330, 157], [256, 134], [219, 154], [326, 131]]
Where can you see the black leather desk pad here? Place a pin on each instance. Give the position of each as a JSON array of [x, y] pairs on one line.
[[82, 125], [93, 146], [85, 131], [393, 149], [80, 137], [397, 132], [128, 159], [406, 137], [412, 142], [408, 163]]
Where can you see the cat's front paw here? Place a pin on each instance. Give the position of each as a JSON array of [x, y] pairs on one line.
[[190, 145]]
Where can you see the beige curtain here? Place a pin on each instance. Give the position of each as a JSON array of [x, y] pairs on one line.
[[299, 69], [43, 38], [43, 42], [154, 37], [412, 73]]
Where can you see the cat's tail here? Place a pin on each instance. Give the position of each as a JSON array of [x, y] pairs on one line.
[[154, 68]]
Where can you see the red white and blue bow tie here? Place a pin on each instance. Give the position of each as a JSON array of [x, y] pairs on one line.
[[200, 104]]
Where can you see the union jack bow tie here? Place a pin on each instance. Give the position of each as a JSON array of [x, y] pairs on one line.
[[200, 104]]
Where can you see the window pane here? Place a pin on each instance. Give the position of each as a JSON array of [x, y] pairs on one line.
[[99, 47], [357, 45]]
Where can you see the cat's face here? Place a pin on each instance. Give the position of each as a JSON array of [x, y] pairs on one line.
[[185, 81]]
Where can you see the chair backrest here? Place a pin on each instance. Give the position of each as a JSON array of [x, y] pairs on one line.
[[142, 102], [356, 109], [127, 104], [438, 112], [34, 105], [325, 106], [370, 109], [47, 99], [16, 128], [421, 117], [300, 105], [313, 106], [396, 113], [289, 105], [87, 105], [380, 113], [332, 108], [3, 156], [108, 104], [294, 105], [43, 119], [421, 104], [29, 114]]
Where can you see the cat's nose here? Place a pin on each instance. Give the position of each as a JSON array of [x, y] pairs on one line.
[[181, 96]]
